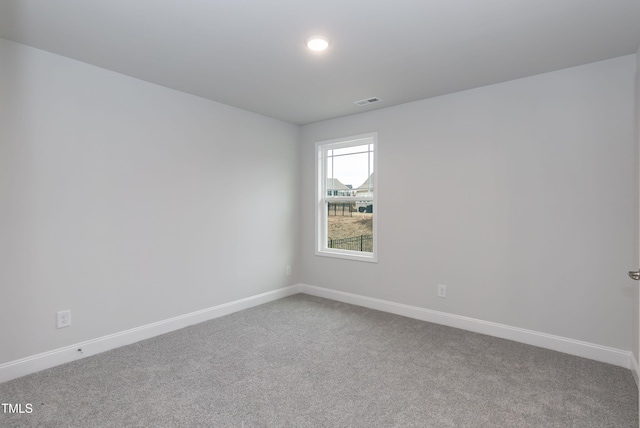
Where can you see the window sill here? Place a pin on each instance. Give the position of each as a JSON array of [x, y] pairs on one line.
[[348, 255]]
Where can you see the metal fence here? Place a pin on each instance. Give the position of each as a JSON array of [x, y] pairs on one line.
[[341, 208], [355, 243], [348, 208]]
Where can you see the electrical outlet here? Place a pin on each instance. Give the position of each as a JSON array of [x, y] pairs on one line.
[[288, 270], [64, 319], [442, 290]]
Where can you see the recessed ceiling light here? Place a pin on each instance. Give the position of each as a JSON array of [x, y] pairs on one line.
[[317, 43]]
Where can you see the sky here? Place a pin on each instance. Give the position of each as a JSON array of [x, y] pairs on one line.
[[353, 168]]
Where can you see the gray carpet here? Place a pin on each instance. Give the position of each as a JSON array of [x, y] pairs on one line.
[[308, 362]]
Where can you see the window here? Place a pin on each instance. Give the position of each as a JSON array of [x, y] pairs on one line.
[[345, 215]]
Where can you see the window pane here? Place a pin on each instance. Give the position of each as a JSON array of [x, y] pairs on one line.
[[351, 170], [350, 226]]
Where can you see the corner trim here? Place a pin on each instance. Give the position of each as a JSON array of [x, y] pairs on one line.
[[45, 360], [566, 345]]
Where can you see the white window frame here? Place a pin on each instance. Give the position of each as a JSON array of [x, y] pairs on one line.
[[322, 199]]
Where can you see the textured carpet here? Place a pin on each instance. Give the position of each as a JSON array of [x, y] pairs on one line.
[[304, 361]]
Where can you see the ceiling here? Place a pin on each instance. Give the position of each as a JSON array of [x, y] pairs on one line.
[[251, 54]]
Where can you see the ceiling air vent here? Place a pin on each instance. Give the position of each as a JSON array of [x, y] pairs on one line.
[[367, 101]]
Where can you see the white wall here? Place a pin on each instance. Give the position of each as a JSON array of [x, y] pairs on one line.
[[518, 196], [129, 203]]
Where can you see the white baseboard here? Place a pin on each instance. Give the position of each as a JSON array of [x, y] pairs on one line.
[[45, 360], [635, 370], [557, 343]]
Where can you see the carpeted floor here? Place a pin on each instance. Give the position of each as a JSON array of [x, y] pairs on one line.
[[304, 361]]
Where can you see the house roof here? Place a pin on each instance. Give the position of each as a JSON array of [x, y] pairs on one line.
[[368, 183], [335, 184]]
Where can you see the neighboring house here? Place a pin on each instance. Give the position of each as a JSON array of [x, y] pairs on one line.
[[336, 188], [366, 189]]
